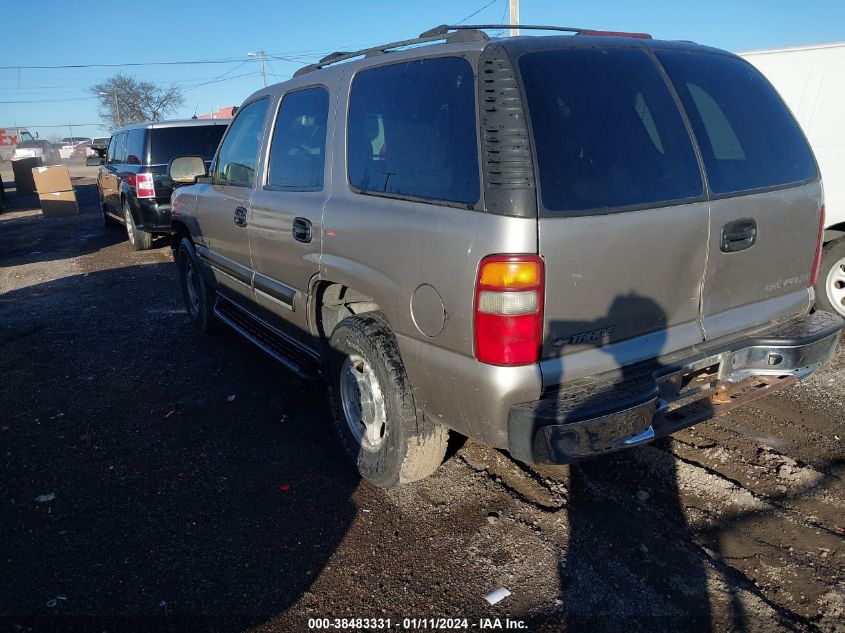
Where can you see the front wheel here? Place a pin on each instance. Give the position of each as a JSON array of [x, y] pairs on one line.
[[830, 287], [198, 297], [373, 409], [140, 240]]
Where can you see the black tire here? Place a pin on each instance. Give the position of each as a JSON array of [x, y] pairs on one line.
[[412, 445], [201, 311], [139, 240], [108, 221], [833, 256]]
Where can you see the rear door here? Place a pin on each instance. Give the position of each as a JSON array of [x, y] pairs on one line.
[[623, 218], [765, 193]]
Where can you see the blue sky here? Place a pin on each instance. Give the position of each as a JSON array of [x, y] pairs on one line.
[[51, 32]]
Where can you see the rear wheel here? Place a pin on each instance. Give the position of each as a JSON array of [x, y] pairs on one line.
[[373, 409], [830, 287], [140, 240]]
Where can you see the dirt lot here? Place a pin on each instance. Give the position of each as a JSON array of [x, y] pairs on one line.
[[155, 478]]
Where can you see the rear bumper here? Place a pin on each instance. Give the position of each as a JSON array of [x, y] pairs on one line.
[[152, 216], [638, 404]]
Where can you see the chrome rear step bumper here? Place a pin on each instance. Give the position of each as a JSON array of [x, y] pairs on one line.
[[638, 404]]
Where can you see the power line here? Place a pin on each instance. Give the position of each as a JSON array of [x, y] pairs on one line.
[[101, 124], [220, 80], [52, 100], [78, 86], [186, 62], [218, 77], [84, 87], [285, 56], [507, 4], [477, 12], [272, 72]]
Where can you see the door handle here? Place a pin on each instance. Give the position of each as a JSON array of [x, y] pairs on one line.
[[240, 216], [301, 230], [738, 235]]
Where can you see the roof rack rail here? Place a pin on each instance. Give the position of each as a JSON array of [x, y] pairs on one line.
[[452, 33], [445, 28], [461, 35]]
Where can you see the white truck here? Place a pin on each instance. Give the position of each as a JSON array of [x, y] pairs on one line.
[[811, 79], [9, 138]]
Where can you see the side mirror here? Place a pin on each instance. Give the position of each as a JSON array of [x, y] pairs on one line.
[[93, 161], [184, 170]]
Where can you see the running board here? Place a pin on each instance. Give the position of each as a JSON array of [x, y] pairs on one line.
[[281, 347]]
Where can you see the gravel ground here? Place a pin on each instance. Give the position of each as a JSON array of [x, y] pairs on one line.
[[154, 478]]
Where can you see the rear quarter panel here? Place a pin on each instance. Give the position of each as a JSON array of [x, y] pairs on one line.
[[387, 248]]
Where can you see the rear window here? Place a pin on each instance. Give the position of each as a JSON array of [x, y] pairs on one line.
[[748, 138], [607, 131], [195, 140], [412, 131]]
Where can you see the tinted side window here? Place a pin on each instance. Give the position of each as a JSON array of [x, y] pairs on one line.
[[239, 151], [747, 135], [112, 149], [412, 131], [297, 152], [195, 140], [607, 131], [120, 149], [136, 147]]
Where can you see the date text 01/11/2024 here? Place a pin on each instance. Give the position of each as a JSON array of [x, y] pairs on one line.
[[416, 624]]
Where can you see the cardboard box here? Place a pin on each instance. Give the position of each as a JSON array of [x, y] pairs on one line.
[[22, 170], [51, 179], [58, 203]]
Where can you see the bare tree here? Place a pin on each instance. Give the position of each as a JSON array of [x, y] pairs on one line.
[[124, 99]]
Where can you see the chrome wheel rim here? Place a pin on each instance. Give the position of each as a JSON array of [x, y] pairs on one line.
[[192, 287], [835, 286], [363, 402], [130, 231]]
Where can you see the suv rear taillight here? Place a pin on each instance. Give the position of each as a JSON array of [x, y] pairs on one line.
[[144, 186], [508, 314], [817, 262]]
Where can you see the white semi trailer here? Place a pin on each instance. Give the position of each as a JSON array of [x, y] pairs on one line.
[[811, 79]]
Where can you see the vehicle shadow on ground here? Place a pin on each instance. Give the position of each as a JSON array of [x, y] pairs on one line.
[[631, 563], [184, 481], [57, 238]]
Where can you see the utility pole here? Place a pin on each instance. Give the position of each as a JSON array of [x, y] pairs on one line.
[[260, 55], [514, 17], [116, 105], [117, 108]]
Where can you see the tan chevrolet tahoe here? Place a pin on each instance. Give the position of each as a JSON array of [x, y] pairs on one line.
[[562, 245]]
